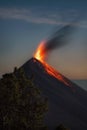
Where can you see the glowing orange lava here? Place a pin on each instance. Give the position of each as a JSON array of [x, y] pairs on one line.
[[41, 55], [40, 52]]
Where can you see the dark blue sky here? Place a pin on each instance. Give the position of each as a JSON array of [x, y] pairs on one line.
[[24, 23], [81, 4]]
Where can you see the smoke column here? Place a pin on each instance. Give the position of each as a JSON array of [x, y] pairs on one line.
[[58, 39]]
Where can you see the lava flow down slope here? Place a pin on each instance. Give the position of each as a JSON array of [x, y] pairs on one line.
[[67, 102]]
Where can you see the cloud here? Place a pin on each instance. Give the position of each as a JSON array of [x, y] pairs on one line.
[[39, 16], [28, 15]]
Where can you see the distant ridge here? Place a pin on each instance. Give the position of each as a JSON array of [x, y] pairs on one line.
[[81, 82]]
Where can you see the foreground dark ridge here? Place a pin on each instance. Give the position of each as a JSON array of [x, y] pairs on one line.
[[67, 105]]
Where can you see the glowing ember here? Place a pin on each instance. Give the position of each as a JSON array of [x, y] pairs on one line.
[[41, 55]]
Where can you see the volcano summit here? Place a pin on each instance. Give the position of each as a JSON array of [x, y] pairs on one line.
[[67, 101]]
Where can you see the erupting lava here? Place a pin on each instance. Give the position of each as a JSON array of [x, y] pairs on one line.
[[40, 52], [40, 55]]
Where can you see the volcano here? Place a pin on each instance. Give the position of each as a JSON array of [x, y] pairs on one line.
[[67, 101]]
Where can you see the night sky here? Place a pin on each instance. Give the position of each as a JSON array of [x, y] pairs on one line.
[[25, 23]]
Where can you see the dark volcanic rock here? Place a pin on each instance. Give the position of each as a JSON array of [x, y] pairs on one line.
[[67, 104]]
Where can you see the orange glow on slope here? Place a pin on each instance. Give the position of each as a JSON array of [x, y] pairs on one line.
[[41, 55], [54, 73]]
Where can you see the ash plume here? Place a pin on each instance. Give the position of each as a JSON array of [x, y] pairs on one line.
[[59, 38]]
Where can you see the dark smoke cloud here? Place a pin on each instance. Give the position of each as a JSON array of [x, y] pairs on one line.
[[59, 38]]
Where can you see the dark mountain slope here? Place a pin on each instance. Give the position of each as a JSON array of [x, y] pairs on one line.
[[67, 103]]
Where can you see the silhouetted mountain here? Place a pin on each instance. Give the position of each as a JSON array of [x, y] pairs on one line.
[[67, 103]]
